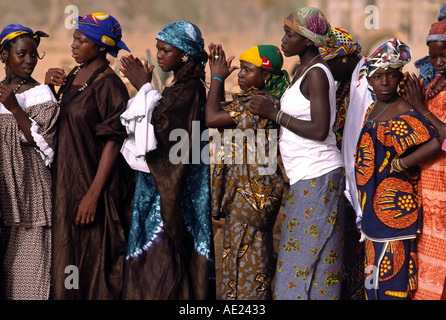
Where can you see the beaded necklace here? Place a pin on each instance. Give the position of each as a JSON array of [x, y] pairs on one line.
[[71, 78], [18, 87], [431, 92]]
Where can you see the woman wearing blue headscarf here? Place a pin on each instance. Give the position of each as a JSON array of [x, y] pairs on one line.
[[92, 183], [28, 117], [170, 253]]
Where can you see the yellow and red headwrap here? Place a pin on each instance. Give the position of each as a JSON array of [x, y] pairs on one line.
[[269, 58], [345, 45]]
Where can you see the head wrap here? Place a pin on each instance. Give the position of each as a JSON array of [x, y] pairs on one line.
[[185, 36], [442, 13], [311, 23], [392, 54], [103, 30], [14, 30], [437, 32], [344, 46], [269, 58]]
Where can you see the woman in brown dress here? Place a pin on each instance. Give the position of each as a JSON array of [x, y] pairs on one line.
[[92, 184]]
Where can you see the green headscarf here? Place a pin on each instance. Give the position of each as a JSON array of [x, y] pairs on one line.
[[269, 58]]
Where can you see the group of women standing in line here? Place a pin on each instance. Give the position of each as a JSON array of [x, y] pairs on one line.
[[108, 199]]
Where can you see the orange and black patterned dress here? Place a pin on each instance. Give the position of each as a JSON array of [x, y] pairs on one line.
[[391, 203]]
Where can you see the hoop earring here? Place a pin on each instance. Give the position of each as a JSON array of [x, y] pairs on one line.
[[185, 58]]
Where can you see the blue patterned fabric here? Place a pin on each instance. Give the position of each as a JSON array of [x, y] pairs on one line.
[[186, 37], [147, 222]]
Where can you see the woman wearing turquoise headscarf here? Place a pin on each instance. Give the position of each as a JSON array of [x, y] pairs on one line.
[[170, 252], [93, 185], [28, 117]]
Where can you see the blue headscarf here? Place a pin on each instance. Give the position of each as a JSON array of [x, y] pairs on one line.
[[102, 29], [185, 36], [14, 30]]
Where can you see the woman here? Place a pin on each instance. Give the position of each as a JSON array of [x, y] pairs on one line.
[[431, 103], [310, 258], [394, 139], [28, 114], [170, 251], [92, 183], [353, 96], [246, 192]]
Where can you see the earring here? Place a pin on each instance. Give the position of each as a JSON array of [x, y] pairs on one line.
[[185, 58], [6, 68], [345, 60]]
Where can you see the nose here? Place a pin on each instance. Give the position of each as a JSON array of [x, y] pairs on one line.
[[385, 80], [438, 62]]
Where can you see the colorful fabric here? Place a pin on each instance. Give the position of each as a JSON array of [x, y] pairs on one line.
[[432, 241], [269, 58], [390, 201], [442, 13], [185, 36], [249, 199], [437, 32], [427, 72], [311, 23], [102, 29], [14, 30], [309, 265], [392, 54], [344, 46], [396, 273]]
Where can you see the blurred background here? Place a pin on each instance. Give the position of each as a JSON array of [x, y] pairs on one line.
[[237, 25]]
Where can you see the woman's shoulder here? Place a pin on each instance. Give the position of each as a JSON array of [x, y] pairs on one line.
[[40, 93]]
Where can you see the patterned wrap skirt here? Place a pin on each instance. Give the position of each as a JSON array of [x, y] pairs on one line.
[[310, 258]]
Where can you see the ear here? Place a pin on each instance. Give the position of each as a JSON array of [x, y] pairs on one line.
[[266, 76], [4, 56]]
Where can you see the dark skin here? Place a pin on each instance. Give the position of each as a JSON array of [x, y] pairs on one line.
[[248, 76], [20, 60], [92, 56], [169, 60], [314, 87], [414, 91], [389, 105]]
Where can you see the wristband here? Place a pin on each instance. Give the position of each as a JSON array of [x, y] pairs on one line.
[[217, 78]]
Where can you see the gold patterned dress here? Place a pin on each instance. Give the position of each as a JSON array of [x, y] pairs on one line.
[[247, 189]]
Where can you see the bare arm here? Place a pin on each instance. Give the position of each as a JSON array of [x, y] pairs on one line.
[[7, 97], [318, 127], [87, 208], [216, 117]]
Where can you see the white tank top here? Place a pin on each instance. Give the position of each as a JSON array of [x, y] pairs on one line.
[[305, 158]]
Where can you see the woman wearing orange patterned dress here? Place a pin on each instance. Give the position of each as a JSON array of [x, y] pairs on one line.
[[393, 140], [432, 103]]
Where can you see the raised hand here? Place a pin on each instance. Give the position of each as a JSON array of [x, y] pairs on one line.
[[137, 72]]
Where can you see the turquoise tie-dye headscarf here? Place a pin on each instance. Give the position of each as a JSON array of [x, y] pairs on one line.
[[185, 36]]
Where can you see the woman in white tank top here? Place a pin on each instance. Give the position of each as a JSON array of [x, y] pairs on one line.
[[310, 258]]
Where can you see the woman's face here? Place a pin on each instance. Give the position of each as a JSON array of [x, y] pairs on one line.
[[292, 42], [437, 55], [169, 57], [250, 76], [83, 49], [385, 83], [22, 57]]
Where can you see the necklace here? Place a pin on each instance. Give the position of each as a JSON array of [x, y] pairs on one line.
[[304, 69], [374, 105], [71, 78], [19, 85], [431, 92]]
